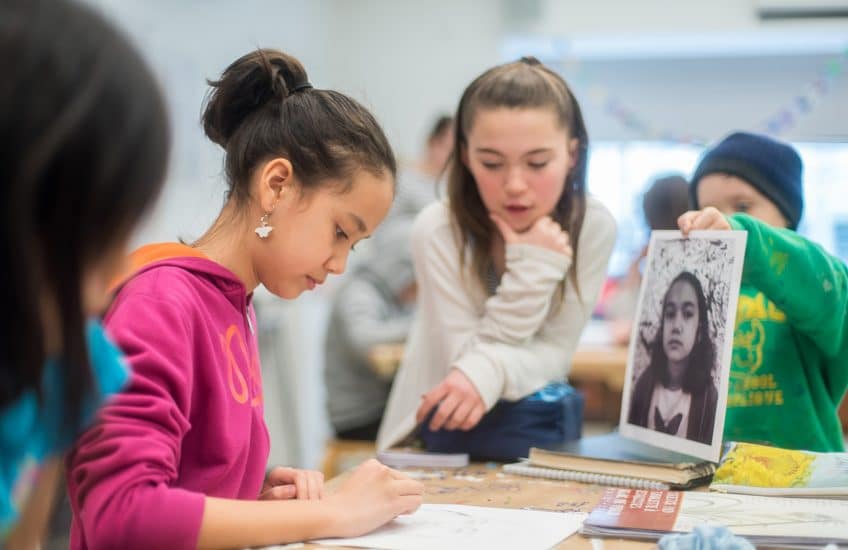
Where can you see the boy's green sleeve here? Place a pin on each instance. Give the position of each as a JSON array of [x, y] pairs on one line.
[[809, 285]]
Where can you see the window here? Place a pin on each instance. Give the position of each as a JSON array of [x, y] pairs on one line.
[[619, 172]]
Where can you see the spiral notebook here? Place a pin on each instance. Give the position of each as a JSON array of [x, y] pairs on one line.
[[524, 468], [610, 459]]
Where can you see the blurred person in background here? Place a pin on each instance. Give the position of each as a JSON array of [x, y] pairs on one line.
[[665, 200]]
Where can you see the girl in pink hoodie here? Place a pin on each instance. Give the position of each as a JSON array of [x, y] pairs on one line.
[[178, 459]]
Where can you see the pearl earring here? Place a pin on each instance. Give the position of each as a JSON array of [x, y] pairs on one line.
[[264, 229]]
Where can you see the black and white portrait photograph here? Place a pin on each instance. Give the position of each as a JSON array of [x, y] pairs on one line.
[[675, 390]]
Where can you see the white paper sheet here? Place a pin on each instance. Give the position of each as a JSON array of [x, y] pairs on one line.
[[459, 527]]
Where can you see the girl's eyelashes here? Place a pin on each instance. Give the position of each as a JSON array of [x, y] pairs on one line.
[[497, 165], [742, 207], [687, 312], [341, 235]]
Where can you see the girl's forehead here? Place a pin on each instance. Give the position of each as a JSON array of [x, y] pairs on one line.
[[681, 288], [503, 124], [365, 203]]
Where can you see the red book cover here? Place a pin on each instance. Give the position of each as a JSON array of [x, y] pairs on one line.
[[637, 509]]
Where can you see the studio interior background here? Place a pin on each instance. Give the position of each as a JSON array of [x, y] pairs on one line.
[[657, 80]]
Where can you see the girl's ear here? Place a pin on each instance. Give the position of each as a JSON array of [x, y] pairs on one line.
[[573, 152], [275, 180]]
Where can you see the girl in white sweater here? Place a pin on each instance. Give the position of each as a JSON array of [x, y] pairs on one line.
[[509, 268]]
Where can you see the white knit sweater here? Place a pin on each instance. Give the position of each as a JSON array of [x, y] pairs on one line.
[[508, 344]]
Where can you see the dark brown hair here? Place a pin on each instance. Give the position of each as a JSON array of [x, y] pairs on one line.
[[665, 201], [524, 84], [263, 107], [442, 125], [85, 145], [699, 370]]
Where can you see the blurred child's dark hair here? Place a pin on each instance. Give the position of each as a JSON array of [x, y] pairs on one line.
[[85, 145], [264, 106], [523, 84], [665, 200], [442, 125], [702, 357]]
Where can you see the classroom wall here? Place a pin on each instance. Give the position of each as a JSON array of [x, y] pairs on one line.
[[409, 61], [429, 51], [706, 98], [188, 42]]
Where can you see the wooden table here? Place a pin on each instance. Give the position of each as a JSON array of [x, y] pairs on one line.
[[597, 362], [598, 371], [483, 485], [384, 359], [601, 363]]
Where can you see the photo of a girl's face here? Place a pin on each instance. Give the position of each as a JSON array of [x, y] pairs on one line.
[[680, 321], [680, 353]]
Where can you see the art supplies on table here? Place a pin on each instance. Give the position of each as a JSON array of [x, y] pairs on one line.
[[766, 521], [610, 459], [413, 458], [459, 527], [753, 469]]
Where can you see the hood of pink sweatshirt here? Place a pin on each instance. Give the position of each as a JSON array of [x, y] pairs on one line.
[[189, 424]]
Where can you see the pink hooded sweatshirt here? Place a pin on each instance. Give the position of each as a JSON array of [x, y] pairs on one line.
[[190, 422]]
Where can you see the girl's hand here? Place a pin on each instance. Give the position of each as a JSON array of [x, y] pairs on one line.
[[372, 495], [460, 406], [287, 483], [545, 232], [708, 218]]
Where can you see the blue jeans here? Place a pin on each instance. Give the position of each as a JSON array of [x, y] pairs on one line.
[[549, 417]]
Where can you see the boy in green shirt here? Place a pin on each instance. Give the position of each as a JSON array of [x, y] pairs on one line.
[[790, 347]]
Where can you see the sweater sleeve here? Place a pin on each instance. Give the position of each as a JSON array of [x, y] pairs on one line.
[[779, 262], [809, 285], [122, 470], [513, 371], [522, 300], [513, 347]]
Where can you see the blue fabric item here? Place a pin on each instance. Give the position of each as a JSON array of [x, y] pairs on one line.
[[31, 432], [551, 416], [705, 537], [774, 168]]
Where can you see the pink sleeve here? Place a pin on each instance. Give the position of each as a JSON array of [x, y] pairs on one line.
[[122, 471]]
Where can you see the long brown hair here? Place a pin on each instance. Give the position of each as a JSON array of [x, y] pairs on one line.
[[523, 84]]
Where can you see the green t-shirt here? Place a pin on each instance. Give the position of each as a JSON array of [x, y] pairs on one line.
[[790, 350]]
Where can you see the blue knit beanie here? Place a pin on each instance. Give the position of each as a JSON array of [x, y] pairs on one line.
[[774, 168]]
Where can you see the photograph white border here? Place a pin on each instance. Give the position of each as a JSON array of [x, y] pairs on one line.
[[724, 356]]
